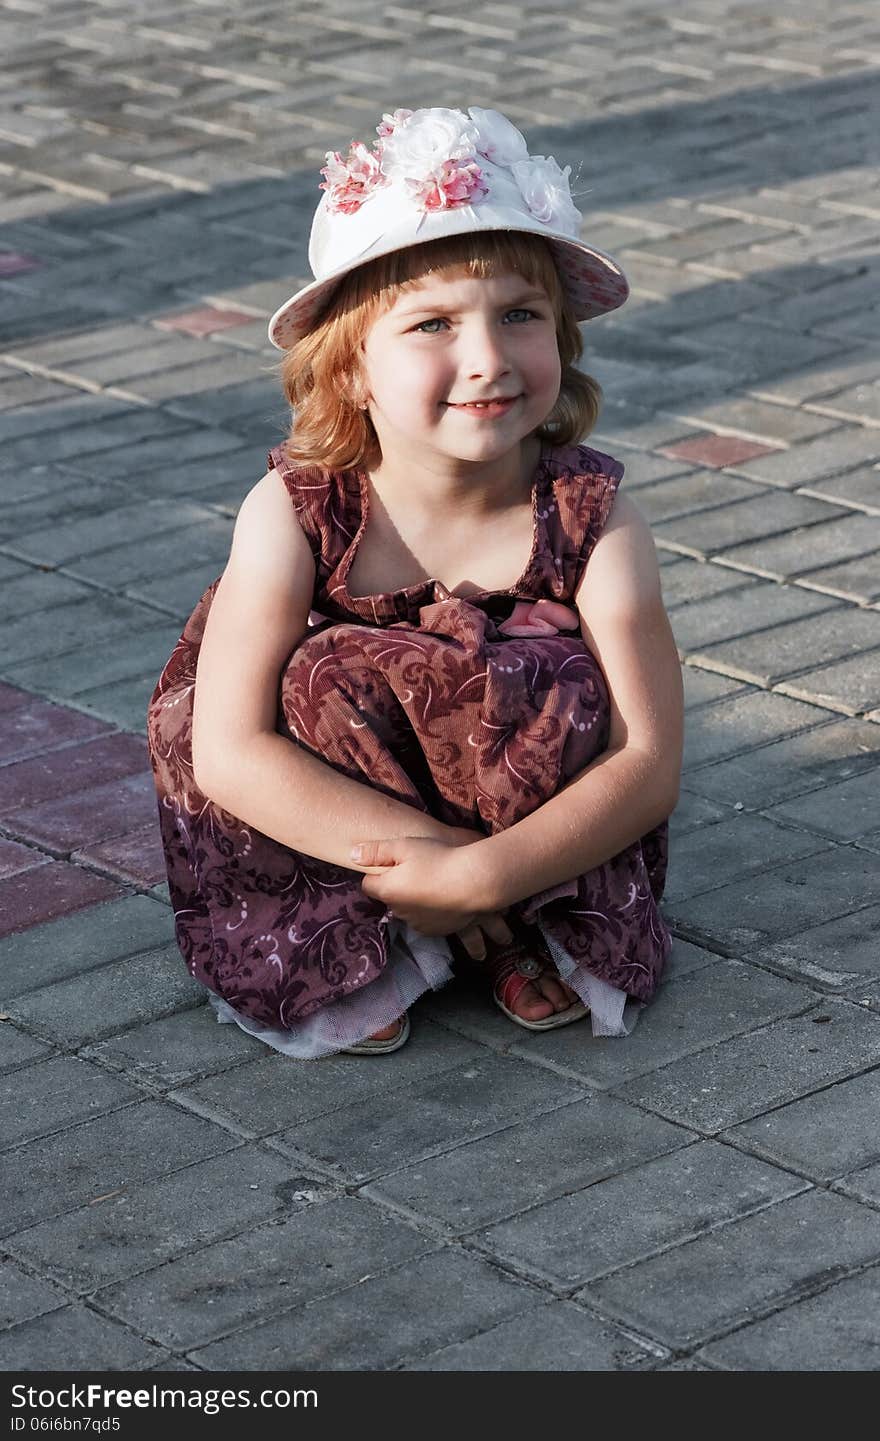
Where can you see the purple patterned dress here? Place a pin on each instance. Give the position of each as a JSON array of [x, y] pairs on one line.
[[421, 695]]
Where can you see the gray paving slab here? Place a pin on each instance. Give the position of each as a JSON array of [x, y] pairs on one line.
[[96, 1160], [60, 1091], [740, 723], [840, 954], [18, 1049], [749, 1074], [559, 1336], [75, 1338], [23, 1296], [176, 1049], [744, 845], [695, 1291], [826, 754], [702, 687], [156, 1220], [666, 1201], [737, 529], [132, 653], [152, 984], [427, 1303], [224, 1288], [80, 942], [757, 606], [823, 1136], [864, 1185], [835, 1330], [843, 812], [851, 685], [794, 647]]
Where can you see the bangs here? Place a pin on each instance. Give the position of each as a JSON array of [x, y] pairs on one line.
[[478, 255]]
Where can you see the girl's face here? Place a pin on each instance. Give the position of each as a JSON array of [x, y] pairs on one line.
[[461, 368]]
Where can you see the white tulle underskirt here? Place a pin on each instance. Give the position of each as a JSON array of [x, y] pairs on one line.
[[417, 964]]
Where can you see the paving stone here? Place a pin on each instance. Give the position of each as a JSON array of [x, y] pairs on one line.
[[702, 687], [806, 549], [123, 704], [81, 941], [693, 811], [834, 1331], [746, 913], [864, 1185], [102, 433], [741, 722], [17, 1049], [844, 812], [853, 579], [857, 402], [758, 605], [60, 1092], [716, 450], [176, 1049], [744, 845], [557, 1337], [156, 1220], [188, 456], [759, 420], [514, 1169], [824, 1135], [275, 1091], [818, 757], [717, 1000], [179, 593], [685, 579], [69, 674], [133, 524], [61, 772], [366, 1137], [274, 1268], [37, 591], [858, 487], [52, 632], [30, 726], [69, 822], [840, 954], [814, 460], [850, 685], [114, 997], [162, 555], [136, 856], [719, 530], [696, 490], [427, 1303], [15, 858], [88, 1163], [75, 1338], [750, 1074], [789, 648], [668, 1200], [692, 1292], [100, 340], [30, 898], [23, 1297]]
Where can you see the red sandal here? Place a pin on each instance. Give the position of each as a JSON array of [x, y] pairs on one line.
[[511, 969]]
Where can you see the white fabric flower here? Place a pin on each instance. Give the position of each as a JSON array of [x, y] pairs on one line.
[[499, 140], [419, 146], [545, 190]]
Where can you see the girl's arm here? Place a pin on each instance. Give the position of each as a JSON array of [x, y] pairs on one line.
[[633, 785], [258, 616]]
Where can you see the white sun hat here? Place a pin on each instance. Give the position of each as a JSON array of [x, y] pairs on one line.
[[434, 173]]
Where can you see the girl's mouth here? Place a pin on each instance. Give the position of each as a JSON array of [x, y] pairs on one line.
[[488, 409]]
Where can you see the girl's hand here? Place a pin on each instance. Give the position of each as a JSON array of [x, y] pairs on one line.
[[427, 884]]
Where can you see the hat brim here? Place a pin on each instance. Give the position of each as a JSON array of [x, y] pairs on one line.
[[593, 281]]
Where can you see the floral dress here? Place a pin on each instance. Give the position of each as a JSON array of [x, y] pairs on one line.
[[426, 697]]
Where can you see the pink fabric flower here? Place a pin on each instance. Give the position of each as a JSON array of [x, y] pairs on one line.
[[391, 122], [351, 181], [539, 617], [456, 182]]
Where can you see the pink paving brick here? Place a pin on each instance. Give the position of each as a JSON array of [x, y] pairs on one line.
[[68, 823], [137, 857], [75, 768], [53, 890], [717, 451], [38, 725], [13, 262], [15, 858], [205, 321]]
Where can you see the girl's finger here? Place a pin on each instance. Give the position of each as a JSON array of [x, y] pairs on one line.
[[474, 942], [496, 927]]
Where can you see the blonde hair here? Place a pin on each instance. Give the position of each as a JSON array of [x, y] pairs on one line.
[[320, 372]]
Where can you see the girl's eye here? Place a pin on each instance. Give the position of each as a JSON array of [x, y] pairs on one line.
[[435, 321], [529, 314]]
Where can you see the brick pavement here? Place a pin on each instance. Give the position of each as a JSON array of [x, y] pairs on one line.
[[172, 1198]]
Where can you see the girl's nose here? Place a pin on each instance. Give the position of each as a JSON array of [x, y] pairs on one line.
[[485, 353]]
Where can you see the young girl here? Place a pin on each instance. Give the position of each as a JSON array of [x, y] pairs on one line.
[[432, 708]]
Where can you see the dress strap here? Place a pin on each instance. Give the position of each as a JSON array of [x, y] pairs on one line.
[[580, 491], [325, 506]]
